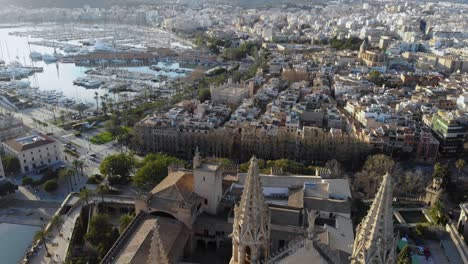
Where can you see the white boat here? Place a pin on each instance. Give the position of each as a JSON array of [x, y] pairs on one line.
[[70, 49], [35, 55], [49, 58]]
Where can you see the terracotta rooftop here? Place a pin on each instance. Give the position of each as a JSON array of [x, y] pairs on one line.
[[177, 185], [29, 142]]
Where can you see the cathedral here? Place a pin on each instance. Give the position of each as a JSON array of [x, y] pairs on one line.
[[214, 214]]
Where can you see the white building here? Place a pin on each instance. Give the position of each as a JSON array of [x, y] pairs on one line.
[[33, 151], [462, 101]]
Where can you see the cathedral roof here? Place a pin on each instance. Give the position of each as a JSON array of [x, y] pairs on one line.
[[176, 186]]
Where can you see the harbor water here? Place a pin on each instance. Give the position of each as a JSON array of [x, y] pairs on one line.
[[56, 76], [14, 241]]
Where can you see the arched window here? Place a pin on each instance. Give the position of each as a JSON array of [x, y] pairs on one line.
[[248, 253]]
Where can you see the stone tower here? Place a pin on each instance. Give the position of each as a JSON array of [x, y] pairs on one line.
[[362, 48], [197, 159], [251, 228], [375, 242], [434, 191], [157, 254]]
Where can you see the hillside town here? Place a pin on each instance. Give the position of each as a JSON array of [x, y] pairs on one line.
[[235, 132]]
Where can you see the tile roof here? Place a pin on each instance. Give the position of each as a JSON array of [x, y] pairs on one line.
[[29, 142]]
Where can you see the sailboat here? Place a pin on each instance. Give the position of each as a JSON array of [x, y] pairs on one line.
[[35, 56], [48, 58]]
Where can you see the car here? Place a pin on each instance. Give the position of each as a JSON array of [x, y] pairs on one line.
[[93, 155]]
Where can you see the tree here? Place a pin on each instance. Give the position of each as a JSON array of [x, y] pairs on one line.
[[437, 213], [410, 183], [104, 104], [113, 125], [204, 94], [81, 108], [11, 164], [335, 168], [442, 171], [67, 174], [101, 234], [57, 222], [368, 179], [96, 97], [41, 235], [103, 189], [460, 164], [62, 117], [154, 170], [374, 76], [120, 165], [86, 194], [79, 166], [124, 221], [405, 256], [50, 185], [7, 187], [27, 181]]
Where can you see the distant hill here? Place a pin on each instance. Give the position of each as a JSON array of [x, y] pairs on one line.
[[108, 3], [74, 3]]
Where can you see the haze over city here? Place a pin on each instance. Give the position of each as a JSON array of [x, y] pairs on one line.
[[240, 132]]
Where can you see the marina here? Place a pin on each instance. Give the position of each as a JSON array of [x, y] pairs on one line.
[[38, 66]]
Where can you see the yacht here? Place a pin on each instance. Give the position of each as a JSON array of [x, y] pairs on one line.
[[49, 58], [35, 55]]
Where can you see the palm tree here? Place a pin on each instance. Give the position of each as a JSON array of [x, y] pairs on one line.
[[81, 108], [67, 175], [460, 164], [79, 166], [62, 117], [437, 212], [104, 104], [41, 235], [102, 189], [96, 96], [86, 194], [57, 222]]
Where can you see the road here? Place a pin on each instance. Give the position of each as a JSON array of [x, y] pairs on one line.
[[83, 146]]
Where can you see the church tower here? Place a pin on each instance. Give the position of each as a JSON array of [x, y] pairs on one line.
[[157, 254], [362, 48], [375, 242], [251, 228]]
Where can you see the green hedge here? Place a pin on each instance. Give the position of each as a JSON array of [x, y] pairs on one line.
[[50, 185], [27, 181]]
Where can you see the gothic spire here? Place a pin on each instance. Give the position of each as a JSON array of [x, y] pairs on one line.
[[251, 232], [157, 254], [375, 242]]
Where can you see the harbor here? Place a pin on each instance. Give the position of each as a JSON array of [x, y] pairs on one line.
[[38, 67]]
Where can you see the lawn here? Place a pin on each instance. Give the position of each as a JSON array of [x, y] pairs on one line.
[[102, 138]]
